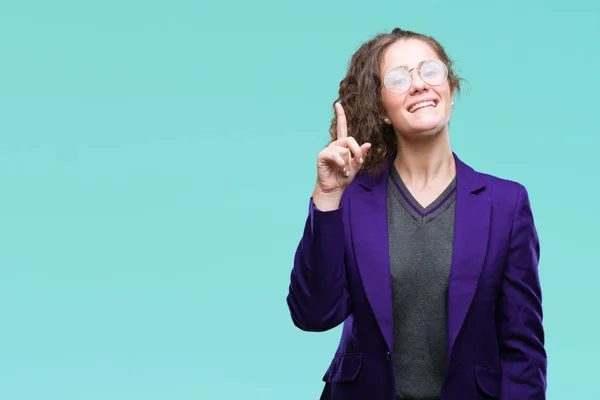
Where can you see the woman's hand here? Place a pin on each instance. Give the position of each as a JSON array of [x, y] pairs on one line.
[[337, 165]]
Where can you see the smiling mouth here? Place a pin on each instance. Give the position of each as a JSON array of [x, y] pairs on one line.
[[424, 105]]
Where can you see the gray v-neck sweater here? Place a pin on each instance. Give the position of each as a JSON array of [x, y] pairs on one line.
[[420, 244]]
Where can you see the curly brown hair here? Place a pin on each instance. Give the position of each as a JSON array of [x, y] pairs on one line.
[[360, 95]]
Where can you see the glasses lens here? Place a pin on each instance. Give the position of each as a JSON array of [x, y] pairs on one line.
[[397, 80], [434, 72]]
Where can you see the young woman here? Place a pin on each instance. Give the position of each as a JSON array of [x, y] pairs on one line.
[[431, 266]]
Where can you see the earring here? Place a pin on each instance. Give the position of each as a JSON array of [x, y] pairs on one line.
[[386, 120], [452, 103]]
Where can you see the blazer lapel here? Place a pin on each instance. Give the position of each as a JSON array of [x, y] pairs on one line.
[[471, 231], [369, 227]]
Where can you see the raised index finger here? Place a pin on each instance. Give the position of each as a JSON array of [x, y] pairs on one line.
[[341, 127]]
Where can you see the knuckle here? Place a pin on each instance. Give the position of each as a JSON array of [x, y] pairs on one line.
[[324, 154]]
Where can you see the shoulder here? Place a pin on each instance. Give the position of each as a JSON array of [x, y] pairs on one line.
[[366, 181], [356, 187], [505, 194], [501, 187]]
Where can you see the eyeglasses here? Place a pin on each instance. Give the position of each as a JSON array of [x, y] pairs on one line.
[[398, 79]]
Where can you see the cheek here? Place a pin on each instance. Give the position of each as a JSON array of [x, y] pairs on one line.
[[446, 94], [392, 104]]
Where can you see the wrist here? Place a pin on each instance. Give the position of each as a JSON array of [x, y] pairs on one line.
[[326, 200]]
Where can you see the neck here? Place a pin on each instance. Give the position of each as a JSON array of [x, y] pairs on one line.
[[425, 161]]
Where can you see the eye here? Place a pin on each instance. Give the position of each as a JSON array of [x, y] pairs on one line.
[[397, 77], [399, 81]]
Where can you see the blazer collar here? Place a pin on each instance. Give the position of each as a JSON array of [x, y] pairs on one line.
[[466, 177]]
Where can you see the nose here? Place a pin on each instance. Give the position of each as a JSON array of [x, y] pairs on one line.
[[417, 84]]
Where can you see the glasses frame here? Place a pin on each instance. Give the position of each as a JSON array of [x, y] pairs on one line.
[[420, 75]]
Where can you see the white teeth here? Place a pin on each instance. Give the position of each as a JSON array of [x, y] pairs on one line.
[[421, 105]]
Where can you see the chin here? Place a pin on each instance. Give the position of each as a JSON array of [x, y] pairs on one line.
[[430, 128], [425, 120]]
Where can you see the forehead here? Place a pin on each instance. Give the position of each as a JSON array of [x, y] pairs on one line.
[[409, 53]]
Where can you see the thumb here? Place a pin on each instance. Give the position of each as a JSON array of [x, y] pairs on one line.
[[365, 148], [357, 164]]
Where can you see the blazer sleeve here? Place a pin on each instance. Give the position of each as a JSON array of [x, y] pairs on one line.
[[521, 333], [317, 297]]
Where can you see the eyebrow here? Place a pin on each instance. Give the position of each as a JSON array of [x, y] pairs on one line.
[[418, 65]]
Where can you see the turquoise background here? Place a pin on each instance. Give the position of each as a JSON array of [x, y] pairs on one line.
[[156, 161]]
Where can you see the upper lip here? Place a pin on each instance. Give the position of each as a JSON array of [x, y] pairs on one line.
[[410, 105]]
